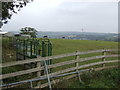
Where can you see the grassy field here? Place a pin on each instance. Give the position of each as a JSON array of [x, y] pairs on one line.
[[61, 46]]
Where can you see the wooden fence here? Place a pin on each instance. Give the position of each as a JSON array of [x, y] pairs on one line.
[[75, 68]]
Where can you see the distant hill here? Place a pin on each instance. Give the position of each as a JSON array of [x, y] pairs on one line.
[[79, 35], [56, 34]]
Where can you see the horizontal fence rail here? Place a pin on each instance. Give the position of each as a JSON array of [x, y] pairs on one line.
[[59, 73], [46, 84], [42, 78], [51, 66], [50, 57]]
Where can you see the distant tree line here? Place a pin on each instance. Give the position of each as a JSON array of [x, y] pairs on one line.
[[104, 37]]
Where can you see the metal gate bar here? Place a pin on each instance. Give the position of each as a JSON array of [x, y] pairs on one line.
[[46, 69], [43, 78]]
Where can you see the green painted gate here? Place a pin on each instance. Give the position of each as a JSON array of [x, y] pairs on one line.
[[28, 48]]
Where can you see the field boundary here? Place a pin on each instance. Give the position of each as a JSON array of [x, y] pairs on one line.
[[76, 69], [75, 75]]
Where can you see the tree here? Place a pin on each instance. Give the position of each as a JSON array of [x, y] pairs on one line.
[[29, 31], [7, 9]]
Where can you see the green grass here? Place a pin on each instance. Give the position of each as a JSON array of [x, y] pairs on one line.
[[100, 79], [8, 51], [62, 46]]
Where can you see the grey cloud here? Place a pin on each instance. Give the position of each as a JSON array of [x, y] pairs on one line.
[[71, 16]]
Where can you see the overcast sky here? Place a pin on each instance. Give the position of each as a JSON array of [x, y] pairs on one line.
[[67, 15]]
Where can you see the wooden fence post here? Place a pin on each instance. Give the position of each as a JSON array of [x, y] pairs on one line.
[[77, 65], [1, 81], [39, 74], [103, 59]]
